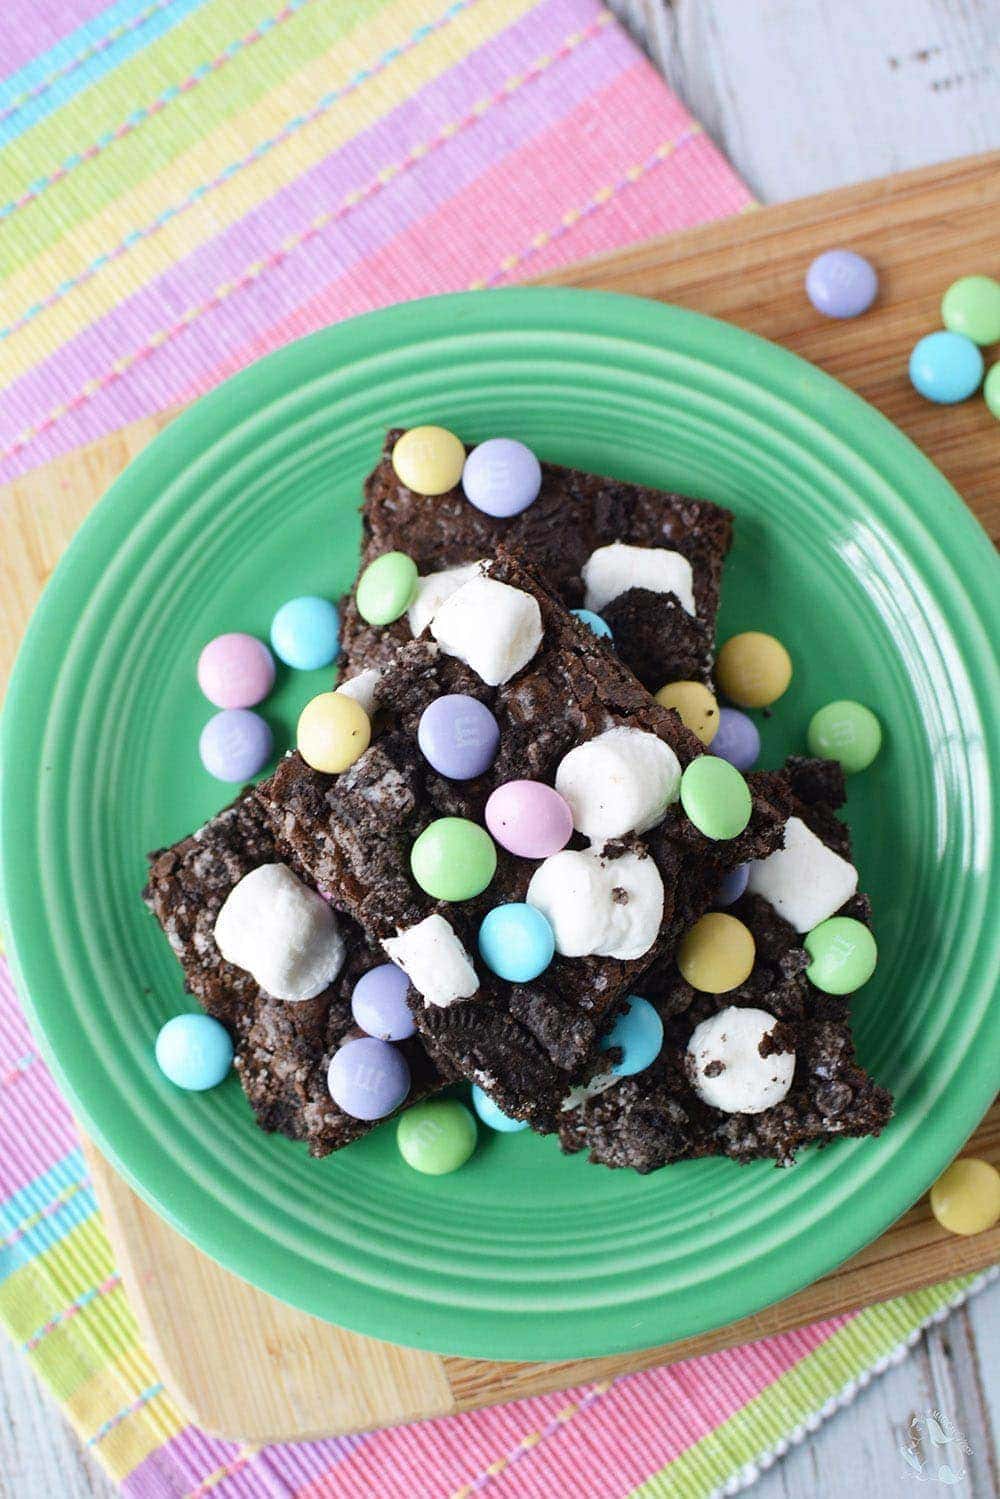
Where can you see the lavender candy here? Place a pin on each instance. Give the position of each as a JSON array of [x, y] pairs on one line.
[[736, 739], [368, 1079], [501, 477], [841, 284], [458, 736], [379, 1006], [235, 744], [733, 886]]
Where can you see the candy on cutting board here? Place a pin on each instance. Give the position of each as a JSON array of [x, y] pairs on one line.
[[841, 284], [946, 367], [965, 1199], [971, 305]]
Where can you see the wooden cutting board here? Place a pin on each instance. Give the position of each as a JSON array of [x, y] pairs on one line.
[[247, 1366]]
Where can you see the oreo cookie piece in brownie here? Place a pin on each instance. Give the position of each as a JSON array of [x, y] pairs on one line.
[[568, 714], [803, 1084], [648, 561], [282, 1048]]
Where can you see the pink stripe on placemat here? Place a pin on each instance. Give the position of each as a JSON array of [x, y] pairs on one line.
[[35, 1136]]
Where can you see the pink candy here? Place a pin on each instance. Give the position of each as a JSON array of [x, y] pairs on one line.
[[235, 671], [529, 819]]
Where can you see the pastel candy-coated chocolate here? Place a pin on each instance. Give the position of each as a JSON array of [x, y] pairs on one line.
[[235, 744], [695, 705], [841, 283], [842, 955], [733, 886], [965, 1199], [845, 731], [753, 669], [235, 670], [436, 1137], [737, 739], [594, 623], [638, 1031], [715, 797], [305, 633], [367, 1078], [379, 1006], [716, 954], [386, 587], [971, 305], [428, 460], [991, 390], [494, 1117], [517, 942], [501, 477], [194, 1052], [529, 819], [333, 731], [946, 367], [458, 736], [453, 859]]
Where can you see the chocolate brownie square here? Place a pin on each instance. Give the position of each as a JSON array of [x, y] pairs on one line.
[[663, 623], [282, 1049], [559, 691], [658, 1116]]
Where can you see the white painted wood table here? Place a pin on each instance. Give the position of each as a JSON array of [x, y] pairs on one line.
[[802, 96]]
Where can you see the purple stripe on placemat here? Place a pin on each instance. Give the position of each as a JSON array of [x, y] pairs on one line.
[[194, 1464], [29, 28]]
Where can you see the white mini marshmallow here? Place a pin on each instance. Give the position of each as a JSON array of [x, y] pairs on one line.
[[609, 908], [363, 688], [621, 782], [599, 1084], [614, 569], [281, 932], [746, 1083], [437, 964], [805, 881], [433, 590], [492, 627]]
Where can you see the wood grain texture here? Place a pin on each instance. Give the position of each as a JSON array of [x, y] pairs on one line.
[[298, 1377]]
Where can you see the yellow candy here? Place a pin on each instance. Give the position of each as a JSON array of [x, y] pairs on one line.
[[333, 732], [717, 954], [753, 669], [428, 460], [696, 705], [965, 1199]]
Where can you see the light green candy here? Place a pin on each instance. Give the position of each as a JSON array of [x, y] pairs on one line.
[[436, 1137], [453, 859], [845, 731], [715, 797], [971, 306], [991, 390], [843, 955], [386, 588]]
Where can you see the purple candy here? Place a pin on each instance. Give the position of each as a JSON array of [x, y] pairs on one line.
[[736, 739], [458, 736], [841, 284], [733, 885], [235, 744], [379, 1006], [501, 477], [529, 819], [368, 1079]]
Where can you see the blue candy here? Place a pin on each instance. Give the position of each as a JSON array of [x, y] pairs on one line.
[[733, 886], [639, 1033], [594, 622], [458, 736], [493, 1117], [946, 367], [194, 1052], [516, 942], [305, 633]]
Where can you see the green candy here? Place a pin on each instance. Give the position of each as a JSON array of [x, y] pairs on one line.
[[436, 1137], [971, 306], [453, 859], [845, 731], [715, 797], [843, 955], [991, 390], [386, 588]]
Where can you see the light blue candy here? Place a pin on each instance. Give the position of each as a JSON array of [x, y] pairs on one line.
[[946, 367], [639, 1033], [493, 1117], [194, 1052], [594, 622], [305, 633], [516, 942]]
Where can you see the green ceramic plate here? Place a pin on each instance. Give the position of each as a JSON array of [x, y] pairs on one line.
[[850, 546]]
